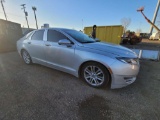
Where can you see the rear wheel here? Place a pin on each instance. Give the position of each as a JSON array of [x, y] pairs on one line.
[[124, 41], [26, 57], [95, 74]]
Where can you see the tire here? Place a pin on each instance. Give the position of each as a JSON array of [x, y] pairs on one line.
[[26, 57], [95, 74], [124, 41], [133, 41]]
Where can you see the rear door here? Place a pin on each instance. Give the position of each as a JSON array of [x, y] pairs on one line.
[[36, 46], [60, 56]]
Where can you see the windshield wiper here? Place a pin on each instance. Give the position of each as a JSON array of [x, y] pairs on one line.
[[98, 40], [88, 42]]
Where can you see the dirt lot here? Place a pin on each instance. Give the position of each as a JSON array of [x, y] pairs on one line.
[[146, 45], [37, 92]]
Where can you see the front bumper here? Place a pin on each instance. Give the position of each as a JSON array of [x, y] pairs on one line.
[[123, 74], [120, 81]]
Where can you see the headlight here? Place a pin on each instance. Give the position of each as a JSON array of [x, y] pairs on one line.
[[134, 61]]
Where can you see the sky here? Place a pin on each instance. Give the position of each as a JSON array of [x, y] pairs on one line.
[[77, 14]]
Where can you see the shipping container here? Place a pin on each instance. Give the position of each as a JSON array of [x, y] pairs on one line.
[[110, 34], [10, 32]]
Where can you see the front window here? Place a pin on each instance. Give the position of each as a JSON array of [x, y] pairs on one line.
[[79, 36], [55, 36]]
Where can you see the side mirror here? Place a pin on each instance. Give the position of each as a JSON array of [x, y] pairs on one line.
[[89, 36], [65, 42]]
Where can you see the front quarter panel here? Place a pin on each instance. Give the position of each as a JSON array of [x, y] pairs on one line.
[[83, 55], [118, 70]]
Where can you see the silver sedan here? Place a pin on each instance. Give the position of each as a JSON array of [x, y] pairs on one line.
[[97, 63]]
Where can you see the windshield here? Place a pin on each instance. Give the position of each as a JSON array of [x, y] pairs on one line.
[[79, 36]]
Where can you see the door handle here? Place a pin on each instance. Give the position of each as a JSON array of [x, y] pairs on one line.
[[47, 44], [29, 42]]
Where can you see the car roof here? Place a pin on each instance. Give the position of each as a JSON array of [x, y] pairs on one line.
[[55, 29]]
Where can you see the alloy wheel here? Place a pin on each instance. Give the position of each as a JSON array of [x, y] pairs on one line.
[[26, 57], [94, 75]]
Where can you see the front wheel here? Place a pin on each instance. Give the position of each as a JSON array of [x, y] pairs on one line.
[[26, 57], [95, 74]]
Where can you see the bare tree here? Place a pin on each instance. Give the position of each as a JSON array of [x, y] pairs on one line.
[[125, 22], [138, 31]]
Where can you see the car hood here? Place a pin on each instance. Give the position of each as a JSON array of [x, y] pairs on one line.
[[117, 50]]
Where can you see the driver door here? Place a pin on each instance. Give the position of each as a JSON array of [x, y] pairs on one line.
[[59, 56]]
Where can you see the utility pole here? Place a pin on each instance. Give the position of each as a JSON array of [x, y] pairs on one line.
[[26, 14], [34, 9], [3, 9]]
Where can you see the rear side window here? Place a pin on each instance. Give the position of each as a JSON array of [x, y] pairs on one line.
[[38, 35], [27, 35], [55, 36]]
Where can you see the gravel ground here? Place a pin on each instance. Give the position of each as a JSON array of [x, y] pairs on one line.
[[40, 93], [146, 45]]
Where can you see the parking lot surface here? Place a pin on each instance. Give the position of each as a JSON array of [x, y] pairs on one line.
[[145, 45], [40, 93]]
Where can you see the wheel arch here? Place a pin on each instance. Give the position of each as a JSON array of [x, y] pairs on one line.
[[92, 61], [23, 50]]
